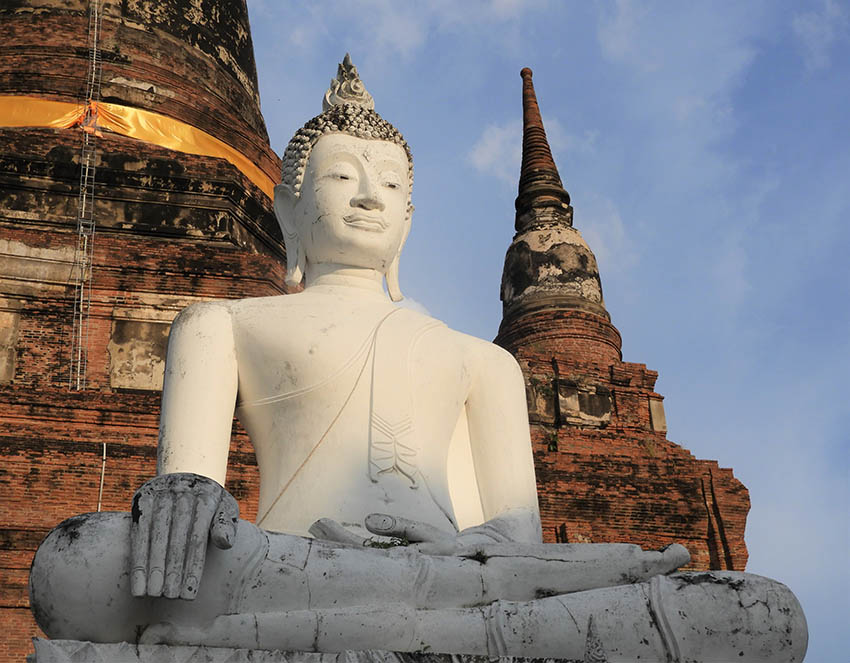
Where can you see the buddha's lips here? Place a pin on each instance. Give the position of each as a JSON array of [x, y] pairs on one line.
[[370, 223]]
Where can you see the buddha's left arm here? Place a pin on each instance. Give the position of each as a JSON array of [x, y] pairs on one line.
[[501, 448]]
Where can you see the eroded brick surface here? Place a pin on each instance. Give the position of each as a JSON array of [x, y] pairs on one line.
[[605, 470], [172, 228]]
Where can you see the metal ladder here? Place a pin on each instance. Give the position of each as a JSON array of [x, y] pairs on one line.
[[81, 271]]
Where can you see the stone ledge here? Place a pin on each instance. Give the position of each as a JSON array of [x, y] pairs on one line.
[[74, 651]]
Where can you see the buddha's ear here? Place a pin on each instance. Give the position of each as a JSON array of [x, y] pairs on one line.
[[393, 288], [284, 209]]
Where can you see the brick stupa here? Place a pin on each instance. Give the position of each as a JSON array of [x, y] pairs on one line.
[[171, 228], [606, 471]]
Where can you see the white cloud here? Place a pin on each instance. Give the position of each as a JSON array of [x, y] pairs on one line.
[[380, 30], [687, 58], [619, 36], [397, 27], [498, 150], [602, 227], [817, 31]]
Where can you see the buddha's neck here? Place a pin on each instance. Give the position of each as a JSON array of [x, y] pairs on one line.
[[345, 276]]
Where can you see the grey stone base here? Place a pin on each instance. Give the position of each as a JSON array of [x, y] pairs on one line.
[[74, 651]]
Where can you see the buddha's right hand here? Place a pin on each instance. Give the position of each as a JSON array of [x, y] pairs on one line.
[[173, 518]]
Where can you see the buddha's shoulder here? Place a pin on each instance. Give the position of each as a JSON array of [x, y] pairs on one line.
[[251, 307], [477, 352]]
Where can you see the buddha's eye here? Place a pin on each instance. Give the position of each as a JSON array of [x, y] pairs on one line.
[[391, 181], [341, 173]]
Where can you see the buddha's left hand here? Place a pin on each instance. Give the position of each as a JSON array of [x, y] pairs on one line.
[[417, 535], [430, 540]]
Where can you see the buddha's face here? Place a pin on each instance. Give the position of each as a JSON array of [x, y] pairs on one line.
[[353, 204]]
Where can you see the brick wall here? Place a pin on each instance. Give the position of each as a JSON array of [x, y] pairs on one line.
[[172, 229], [605, 469]]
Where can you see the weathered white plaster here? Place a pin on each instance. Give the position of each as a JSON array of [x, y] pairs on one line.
[[275, 591], [542, 240], [74, 651], [656, 415], [32, 263], [137, 354], [9, 323]]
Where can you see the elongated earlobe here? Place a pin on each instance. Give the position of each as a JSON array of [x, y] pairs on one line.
[[393, 287], [295, 259], [284, 209]]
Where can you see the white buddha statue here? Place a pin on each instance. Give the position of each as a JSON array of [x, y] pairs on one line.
[[368, 420]]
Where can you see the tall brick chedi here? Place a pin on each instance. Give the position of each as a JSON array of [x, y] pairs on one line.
[[180, 212], [605, 469]]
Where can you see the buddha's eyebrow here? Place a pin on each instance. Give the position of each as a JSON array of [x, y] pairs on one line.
[[392, 164], [338, 157]]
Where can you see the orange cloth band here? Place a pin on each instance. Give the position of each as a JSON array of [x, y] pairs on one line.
[[21, 111]]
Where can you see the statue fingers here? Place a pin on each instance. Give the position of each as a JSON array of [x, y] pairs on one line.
[[178, 542], [223, 531], [160, 531], [405, 528], [140, 533], [674, 556], [327, 529], [196, 551]]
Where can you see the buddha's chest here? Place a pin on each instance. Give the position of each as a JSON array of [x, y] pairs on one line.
[[306, 360]]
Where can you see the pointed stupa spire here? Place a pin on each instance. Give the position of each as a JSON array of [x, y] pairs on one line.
[[548, 267], [539, 182]]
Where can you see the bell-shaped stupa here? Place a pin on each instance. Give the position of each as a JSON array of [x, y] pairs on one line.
[[549, 268], [605, 468]]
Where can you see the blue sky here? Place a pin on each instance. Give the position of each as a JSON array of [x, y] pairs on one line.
[[706, 147]]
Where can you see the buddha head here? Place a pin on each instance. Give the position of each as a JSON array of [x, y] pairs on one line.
[[344, 196]]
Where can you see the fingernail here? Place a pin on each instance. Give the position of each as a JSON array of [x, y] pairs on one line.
[[137, 582], [155, 582], [190, 588], [380, 521]]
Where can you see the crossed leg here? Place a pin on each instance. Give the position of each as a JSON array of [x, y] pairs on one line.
[[277, 591]]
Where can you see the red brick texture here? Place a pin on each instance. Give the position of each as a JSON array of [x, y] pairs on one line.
[[605, 470], [164, 56], [171, 228]]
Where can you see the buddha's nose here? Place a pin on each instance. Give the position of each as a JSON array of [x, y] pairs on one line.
[[367, 196]]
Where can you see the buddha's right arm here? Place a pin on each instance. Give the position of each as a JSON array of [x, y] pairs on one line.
[[177, 512], [199, 393]]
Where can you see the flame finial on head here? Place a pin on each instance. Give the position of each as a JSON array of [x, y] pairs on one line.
[[348, 109], [347, 88]]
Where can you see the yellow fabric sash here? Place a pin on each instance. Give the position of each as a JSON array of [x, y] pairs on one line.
[[22, 111]]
